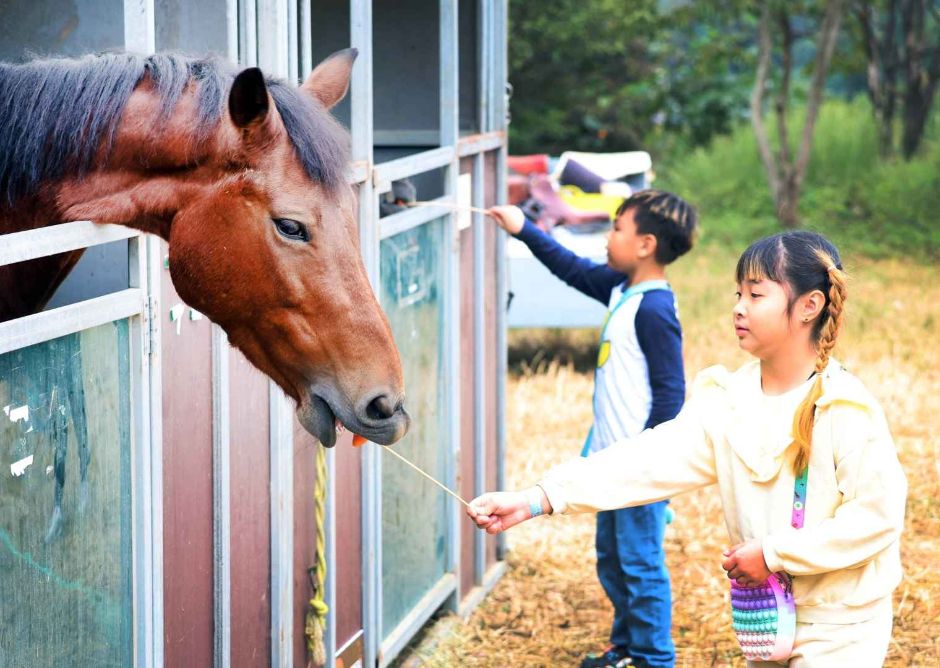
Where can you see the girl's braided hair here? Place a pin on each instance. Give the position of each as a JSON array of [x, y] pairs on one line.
[[803, 261]]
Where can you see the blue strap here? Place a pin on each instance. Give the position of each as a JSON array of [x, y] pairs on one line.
[[638, 289], [799, 500]]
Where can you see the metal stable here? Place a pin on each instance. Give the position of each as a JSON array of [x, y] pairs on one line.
[[199, 494]]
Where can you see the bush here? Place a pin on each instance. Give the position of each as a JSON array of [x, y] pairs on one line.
[[864, 204]]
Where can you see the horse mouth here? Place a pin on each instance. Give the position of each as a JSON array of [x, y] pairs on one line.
[[318, 418], [322, 418]]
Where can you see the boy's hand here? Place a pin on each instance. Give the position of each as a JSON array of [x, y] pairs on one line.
[[745, 563], [497, 511], [509, 217]]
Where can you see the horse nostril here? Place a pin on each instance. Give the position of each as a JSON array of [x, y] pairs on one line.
[[380, 408]]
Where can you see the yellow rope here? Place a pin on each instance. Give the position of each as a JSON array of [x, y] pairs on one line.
[[315, 625], [316, 616]]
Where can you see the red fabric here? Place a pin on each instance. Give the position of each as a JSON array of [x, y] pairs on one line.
[[518, 188], [528, 164]]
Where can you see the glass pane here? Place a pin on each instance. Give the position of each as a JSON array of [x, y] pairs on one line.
[[59, 28], [195, 28], [406, 65], [65, 502], [414, 517]]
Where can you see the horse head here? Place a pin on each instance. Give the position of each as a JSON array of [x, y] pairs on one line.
[[270, 251]]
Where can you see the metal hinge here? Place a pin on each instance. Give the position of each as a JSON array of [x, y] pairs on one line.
[[150, 324]]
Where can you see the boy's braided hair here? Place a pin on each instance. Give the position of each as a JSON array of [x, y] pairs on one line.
[[803, 261], [666, 216]]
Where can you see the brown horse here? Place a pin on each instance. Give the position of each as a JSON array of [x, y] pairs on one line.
[[245, 177]]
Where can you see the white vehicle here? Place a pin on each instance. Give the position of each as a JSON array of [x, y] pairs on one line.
[[539, 299]]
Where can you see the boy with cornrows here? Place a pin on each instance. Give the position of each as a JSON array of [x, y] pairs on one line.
[[639, 382]]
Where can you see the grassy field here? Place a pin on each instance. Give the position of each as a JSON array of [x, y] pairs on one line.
[[549, 609]]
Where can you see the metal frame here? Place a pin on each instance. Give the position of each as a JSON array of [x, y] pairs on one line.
[[275, 50], [277, 35], [498, 122], [447, 155], [221, 499], [479, 362], [384, 173], [45, 241], [47, 325], [406, 220], [361, 120], [221, 442], [147, 507], [449, 42]]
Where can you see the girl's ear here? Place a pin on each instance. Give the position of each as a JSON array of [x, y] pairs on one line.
[[811, 305]]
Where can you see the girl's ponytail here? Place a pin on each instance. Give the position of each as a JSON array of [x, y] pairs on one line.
[[827, 329]]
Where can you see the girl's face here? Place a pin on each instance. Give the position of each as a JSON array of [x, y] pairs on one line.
[[761, 321]]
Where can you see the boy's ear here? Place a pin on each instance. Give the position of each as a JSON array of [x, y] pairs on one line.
[[648, 243]]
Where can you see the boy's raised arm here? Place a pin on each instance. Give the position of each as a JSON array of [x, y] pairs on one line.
[[590, 278]]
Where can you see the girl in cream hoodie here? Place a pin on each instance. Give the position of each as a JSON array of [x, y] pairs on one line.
[[753, 432]]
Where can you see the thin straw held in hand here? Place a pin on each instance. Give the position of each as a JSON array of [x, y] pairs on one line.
[[446, 489], [450, 205]]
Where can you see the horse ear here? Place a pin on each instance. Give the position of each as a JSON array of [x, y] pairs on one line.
[[248, 99], [329, 80]]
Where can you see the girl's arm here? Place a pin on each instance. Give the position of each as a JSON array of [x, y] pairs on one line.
[[674, 457], [871, 515]]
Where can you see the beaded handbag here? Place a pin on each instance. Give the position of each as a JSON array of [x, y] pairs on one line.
[[764, 617]]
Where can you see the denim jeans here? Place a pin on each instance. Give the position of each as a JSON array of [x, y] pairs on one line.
[[632, 569]]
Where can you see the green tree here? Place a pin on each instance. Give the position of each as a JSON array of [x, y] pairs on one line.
[[604, 75], [580, 73], [785, 168], [900, 40]]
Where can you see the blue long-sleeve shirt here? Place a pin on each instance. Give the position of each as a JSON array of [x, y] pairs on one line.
[[640, 378]]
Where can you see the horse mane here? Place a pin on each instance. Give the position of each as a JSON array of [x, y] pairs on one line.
[[55, 113]]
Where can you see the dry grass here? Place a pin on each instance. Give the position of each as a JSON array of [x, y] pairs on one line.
[[549, 609]]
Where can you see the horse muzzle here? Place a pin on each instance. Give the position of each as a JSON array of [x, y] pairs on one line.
[[378, 417]]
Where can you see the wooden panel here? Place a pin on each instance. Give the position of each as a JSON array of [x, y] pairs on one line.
[[187, 486], [465, 458], [251, 514], [348, 566], [305, 531]]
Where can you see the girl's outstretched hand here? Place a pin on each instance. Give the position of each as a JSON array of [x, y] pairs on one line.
[[497, 511], [745, 563], [508, 217]]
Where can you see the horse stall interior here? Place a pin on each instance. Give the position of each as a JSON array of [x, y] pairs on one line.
[[158, 496]]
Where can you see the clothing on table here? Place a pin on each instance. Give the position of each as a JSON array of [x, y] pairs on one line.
[[845, 561]]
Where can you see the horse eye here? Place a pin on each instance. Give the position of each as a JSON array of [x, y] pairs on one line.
[[291, 229]]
